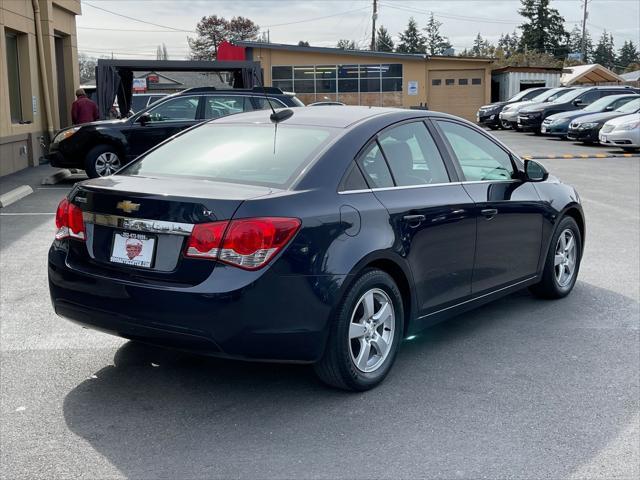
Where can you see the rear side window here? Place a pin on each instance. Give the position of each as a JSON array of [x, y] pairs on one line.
[[260, 103], [412, 155], [220, 106], [480, 158], [591, 97], [271, 155], [375, 167]]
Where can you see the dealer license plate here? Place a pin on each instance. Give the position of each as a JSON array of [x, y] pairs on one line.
[[135, 249]]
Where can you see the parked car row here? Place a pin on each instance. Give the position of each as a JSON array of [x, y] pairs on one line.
[[575, 113]]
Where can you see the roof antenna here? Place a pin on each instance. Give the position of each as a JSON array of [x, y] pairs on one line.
[[275, 117]]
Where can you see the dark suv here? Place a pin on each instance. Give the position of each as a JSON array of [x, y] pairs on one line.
[[531, 118], [489, 115], [101, 148]]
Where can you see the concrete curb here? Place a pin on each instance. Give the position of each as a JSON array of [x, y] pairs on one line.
[[14, 195], [579, 155], [56, 177]]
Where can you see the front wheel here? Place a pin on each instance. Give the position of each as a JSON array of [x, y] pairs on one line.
[[562, 263], [364, 335], [505, 125], [102, 160]]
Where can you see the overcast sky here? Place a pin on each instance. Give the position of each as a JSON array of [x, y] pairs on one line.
[[323, 22]]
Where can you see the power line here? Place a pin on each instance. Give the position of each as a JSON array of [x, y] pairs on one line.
[[449, 16], [315, 18], [137, 19], [131, 30]]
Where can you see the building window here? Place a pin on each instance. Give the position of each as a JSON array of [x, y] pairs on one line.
[[450, 81], [322, 79], [476, 81], [463, 81], [13, 71], [436, 81]]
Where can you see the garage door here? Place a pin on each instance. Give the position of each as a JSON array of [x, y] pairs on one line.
[[458, 92]]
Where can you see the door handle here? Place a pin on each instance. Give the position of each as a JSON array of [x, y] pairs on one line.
[[489, 213], [414, 220]]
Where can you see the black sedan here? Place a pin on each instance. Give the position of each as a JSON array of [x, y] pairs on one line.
[[101, 148], [323, 236], [586, 129], [489, 115]]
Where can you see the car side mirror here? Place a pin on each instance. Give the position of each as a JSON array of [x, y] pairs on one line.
[[578, 103], [609, 108], [144, 119], [534, 172]]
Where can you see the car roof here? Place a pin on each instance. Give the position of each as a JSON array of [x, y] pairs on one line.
[[321, 115]]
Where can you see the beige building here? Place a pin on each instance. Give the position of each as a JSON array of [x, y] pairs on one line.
[[456, 85], [38, 76]]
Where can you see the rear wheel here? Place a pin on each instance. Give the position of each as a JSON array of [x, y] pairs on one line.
[[562, 263], [505, 125], [102, 160], [364, 335], [494, 127]]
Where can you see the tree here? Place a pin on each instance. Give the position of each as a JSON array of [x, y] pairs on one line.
[[411, 40], [213, 30], [628, 54], [87, 66], [544, 29], [345, 44], [241, 28], [161, 52], [509, 44], [384, 42], [435, 43], [481, 48], [605, 53], [302, 43], [575, 43]]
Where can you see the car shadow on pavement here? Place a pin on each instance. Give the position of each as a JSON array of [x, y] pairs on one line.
[[518, 388]]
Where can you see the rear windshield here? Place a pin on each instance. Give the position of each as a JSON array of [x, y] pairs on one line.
[[270, 155]]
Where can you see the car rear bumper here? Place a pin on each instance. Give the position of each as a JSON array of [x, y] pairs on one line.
[[277, 317]]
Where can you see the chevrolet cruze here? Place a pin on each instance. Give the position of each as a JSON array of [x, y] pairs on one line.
[[323, 236]]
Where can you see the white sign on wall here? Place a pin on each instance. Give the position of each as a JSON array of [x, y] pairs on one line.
[[139, 84], [412, 87]]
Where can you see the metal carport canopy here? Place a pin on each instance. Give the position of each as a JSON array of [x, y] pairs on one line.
[[115, 77]]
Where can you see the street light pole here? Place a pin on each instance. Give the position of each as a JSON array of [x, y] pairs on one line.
[[373, 27]]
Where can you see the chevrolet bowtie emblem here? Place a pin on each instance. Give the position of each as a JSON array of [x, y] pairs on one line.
[[128, 206]]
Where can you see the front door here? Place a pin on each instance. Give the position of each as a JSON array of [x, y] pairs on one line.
[[163, 121], [432, 217], [509, 211]]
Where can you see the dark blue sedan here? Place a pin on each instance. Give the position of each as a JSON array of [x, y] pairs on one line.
[[325, 237]]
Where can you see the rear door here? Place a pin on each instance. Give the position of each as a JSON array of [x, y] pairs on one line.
[[165, 120], [509, 211], [432, 215]]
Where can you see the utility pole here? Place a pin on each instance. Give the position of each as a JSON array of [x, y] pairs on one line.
[[373, 27], [583, 45]]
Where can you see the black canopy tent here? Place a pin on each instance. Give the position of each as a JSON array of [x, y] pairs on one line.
[[115, 77]]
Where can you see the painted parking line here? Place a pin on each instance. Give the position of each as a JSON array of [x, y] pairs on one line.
[[579, 155]]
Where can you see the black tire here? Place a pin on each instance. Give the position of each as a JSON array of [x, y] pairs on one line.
[[493, 127], [630, 149], [336, 367], [549, 286], [97, 154], [505, 125]]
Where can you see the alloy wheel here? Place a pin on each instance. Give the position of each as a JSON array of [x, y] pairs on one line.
[[565, 257], [371, 330], [107, 163]]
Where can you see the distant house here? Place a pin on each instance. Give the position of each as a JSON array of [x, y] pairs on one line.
[[171, 82], [594, 74], [507, 81], [632, 78]]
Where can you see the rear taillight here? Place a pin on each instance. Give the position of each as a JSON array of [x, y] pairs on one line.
[[248, 243], [69, 221]]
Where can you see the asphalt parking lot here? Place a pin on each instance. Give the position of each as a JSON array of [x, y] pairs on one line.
[[521, 388]]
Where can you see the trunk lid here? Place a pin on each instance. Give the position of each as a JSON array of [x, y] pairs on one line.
[[137, 227]]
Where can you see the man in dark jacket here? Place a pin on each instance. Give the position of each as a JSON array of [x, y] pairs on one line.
[[83, 110]]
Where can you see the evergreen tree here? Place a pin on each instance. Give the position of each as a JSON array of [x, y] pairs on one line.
[[345, 44], [384, 42], [435, 43], [411, 40], [575, 43], [303, 43], [509, 44], [605, 53], [481, 48], [543, 30], [628, 54]]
